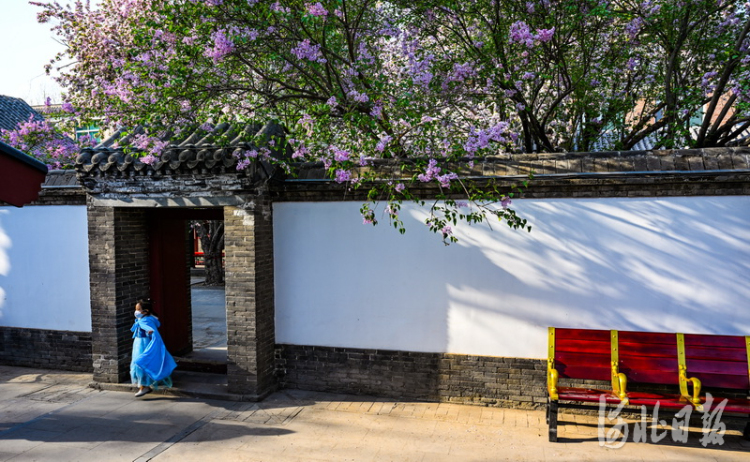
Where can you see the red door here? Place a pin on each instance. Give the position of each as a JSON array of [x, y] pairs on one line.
[[170, 280]]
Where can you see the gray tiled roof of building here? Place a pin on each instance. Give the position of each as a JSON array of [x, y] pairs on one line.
[[15, 110]]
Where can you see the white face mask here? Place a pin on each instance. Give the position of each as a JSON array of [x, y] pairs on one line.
[[138, 314]]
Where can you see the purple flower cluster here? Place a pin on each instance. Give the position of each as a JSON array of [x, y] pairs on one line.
[[242, 164], [520, 32], [633, 28], [358, 97], [339, 155], [432, 172], [316, 9], [158, 147], [480, 139], [306, 50], [707, 79], [300, 153], [299, 148], [632, 63], [383, 142], [545, 35], [40, 140], [149, 144], [278, 7], [461, 72], [342, 176], [245, 158], [150, 159], [223, 45]]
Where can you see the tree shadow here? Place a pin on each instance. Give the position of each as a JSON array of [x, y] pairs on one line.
[[656, 264]]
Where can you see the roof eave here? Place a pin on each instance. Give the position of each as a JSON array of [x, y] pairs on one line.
[[22, 157]]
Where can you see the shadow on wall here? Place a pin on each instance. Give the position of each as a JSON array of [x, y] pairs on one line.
[[5, 243], [629, 264], [657, 264]]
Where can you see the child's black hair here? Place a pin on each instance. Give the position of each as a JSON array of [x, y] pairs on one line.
[[147, 305]]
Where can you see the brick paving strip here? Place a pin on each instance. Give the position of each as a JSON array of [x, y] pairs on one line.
[[47, 415]]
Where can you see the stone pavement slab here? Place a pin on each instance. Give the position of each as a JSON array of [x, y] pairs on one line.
[[54, 416], [209, 317]]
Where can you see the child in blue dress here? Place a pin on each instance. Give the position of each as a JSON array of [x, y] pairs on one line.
[[152, 364]]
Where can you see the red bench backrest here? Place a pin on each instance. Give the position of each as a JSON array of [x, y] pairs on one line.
[[649, 357], [583, 353], [717, 360]]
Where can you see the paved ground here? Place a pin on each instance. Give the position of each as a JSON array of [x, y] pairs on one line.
[[209, 317], [54, 416]]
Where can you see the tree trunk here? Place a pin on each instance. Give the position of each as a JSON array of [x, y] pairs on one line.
[[211, 235]]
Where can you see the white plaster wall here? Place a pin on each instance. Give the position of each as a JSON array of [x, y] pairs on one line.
[[44, 268], [654, 264]]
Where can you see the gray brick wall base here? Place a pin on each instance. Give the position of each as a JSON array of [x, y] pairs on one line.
[[46, 349], [484, 380], [436, 377]]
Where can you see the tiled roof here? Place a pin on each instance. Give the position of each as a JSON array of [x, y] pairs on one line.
[[197, 151], [15, 110], [571, 164], [200, 154], [57, 179]]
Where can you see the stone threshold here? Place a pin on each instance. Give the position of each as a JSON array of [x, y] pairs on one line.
[[189, 385]]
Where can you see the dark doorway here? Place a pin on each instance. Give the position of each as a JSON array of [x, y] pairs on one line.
[[171, 254]]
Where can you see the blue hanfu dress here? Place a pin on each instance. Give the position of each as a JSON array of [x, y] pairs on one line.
[[152, 364]]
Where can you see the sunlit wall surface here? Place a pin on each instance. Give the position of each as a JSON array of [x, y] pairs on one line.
[[44, 268], [655, 264]]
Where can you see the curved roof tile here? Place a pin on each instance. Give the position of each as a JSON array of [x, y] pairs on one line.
[[197, 151]]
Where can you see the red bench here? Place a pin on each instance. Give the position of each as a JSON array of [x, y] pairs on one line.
[[688, 361]]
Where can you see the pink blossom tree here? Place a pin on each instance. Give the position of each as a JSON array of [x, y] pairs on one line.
[[41, 140], [426, 84]]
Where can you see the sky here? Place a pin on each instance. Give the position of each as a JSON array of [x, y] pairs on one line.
[[26, 47]]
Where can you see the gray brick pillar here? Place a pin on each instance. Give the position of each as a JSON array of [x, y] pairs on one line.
[[250, 298], [119, 274]]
